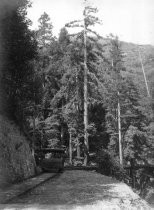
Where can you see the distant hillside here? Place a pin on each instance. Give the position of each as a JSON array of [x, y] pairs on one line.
[[133, 64], [132, 57], [132, 61]]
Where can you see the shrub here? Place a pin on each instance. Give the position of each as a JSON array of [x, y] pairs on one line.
[[108, 165]]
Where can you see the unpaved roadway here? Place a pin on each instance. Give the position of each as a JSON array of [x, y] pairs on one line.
[[80, 190]]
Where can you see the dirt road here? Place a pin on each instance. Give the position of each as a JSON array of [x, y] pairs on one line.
[[79, 190]]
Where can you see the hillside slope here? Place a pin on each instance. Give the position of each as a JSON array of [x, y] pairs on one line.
[[16, 161], [133, 63]]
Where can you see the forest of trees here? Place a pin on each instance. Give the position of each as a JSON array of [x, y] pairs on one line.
[[75, 90]]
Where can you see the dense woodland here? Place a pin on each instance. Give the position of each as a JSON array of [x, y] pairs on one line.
[[81, 91]]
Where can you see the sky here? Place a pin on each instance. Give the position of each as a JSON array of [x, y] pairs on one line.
[[131, 20]]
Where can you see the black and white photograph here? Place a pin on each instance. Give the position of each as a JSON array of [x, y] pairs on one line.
[[76, 104]]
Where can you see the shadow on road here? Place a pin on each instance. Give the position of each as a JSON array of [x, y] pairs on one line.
[[69, 188]]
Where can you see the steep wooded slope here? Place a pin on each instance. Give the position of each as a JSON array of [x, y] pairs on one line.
[[16, 161], [133, 63]]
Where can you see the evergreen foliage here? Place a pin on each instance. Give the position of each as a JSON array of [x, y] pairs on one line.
[[50, 82], [44, 34], [109, 79], [18, 75]]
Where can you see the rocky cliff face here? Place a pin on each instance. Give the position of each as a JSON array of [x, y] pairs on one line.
[[16, 160]]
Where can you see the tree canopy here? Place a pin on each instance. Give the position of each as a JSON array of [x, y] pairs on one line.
[[76, 90]]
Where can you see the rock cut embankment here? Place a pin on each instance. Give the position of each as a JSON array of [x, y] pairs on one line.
[[16, 160]]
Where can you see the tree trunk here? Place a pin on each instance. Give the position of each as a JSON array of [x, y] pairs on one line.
[[62, 126], [78, 148], [62, 134], [33, 141], [77, 109], [119, 131], [85, 93], [145, 79], [70, 148]]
